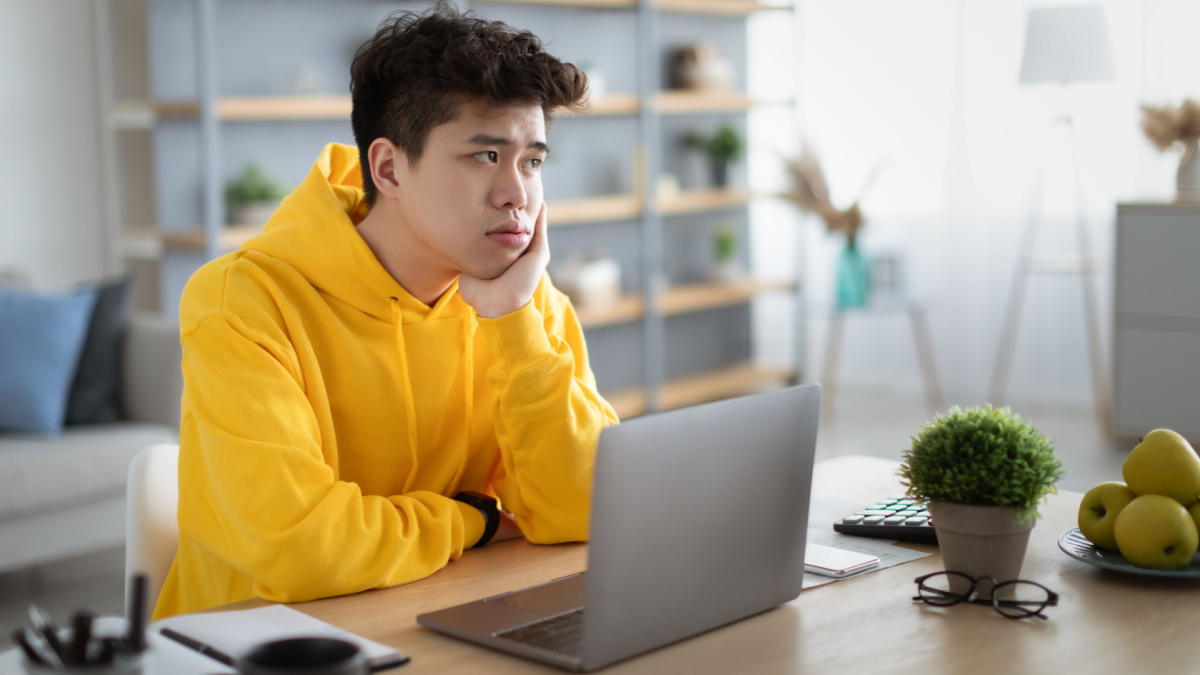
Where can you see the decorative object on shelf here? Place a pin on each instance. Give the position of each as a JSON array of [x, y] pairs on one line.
[[590, 282], [252, 197], [597, 83], [853, 277], [698, 66], [1167, 126], [722, 147], [811, 191], [982, 472], [309, 79], [727, 269]]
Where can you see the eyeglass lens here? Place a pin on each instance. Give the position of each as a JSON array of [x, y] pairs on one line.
[[1014, 599], [1020, 598]]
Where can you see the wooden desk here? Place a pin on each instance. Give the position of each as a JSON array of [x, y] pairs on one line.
[[1105, 622]]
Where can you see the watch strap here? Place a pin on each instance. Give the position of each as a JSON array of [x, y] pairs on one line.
[[491, 513]]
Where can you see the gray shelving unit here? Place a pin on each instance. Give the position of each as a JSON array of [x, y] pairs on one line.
[[217, 96]]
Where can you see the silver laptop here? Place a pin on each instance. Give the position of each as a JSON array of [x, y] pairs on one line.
[[698, 520]]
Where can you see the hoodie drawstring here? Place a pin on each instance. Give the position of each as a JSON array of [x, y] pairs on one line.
[[409, 402]]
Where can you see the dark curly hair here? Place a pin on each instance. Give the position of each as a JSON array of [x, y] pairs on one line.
[[419, 68]]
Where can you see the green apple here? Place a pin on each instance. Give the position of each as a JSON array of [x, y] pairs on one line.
[[1157, 532], [1098, 512], [1164, 464], [1194, 510]]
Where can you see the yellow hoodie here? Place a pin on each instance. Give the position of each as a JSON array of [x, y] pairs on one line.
[[329, 417]]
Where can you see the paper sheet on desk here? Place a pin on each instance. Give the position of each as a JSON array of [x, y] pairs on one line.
[[233, 633], [822, 514]]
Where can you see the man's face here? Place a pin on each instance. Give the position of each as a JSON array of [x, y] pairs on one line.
[[471, 201]]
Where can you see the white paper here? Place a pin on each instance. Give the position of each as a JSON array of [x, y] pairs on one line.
[[822, 514], [232, 633]]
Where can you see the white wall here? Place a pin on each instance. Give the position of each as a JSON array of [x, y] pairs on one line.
[[931, 86], [51, 209]]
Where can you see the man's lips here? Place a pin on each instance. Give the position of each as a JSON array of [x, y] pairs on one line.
[[511, 235]]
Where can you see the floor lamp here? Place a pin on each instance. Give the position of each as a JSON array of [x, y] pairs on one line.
[[1063, 45]]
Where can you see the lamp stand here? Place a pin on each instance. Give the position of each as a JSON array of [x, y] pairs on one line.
[[1029, 264]]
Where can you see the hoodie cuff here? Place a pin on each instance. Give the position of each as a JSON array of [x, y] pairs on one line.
[[519, 337], [473, 524]]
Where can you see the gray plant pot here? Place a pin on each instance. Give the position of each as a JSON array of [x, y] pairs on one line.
[[981, 541]]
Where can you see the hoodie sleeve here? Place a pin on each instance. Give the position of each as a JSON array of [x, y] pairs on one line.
[[549, 417], [257, 492]]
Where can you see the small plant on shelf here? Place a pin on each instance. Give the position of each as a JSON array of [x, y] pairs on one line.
[[253, 196], [722, 147]]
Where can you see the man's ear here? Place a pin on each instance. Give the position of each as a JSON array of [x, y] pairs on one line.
[[386, 159]]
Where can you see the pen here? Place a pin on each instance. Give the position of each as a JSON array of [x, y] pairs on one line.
[[136, 640], [35, 649], [210, 652], [81, 634], [45, 627]]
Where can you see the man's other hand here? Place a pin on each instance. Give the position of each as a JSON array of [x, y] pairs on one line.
[[508, 528], [512, 290]]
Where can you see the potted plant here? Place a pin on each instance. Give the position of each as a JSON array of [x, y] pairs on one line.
[[722, 148], [727, 269], [982, 472], [252, 197]]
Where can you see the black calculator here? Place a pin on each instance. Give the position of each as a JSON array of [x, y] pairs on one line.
[[898, 518]]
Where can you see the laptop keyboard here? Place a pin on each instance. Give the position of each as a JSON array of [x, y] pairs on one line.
[[562, 633]]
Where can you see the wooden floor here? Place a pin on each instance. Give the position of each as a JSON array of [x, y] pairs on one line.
[[866, 423]]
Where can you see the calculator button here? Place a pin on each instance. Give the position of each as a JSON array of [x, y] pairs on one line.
[[852, 520], [916, 521], [893, 520], [872, 520], [876, 512], [923, 513]]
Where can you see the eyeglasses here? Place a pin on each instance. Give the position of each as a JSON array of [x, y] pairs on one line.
[[1016, 599]]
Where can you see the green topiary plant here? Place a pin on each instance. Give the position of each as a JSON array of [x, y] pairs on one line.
[[253, 186], [981, 457]]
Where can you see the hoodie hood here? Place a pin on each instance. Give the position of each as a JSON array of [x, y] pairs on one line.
[[315, 232]]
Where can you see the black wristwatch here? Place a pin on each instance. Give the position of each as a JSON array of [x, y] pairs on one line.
[[486, 506]]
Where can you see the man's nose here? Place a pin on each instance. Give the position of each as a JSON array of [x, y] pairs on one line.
[[509, 191]]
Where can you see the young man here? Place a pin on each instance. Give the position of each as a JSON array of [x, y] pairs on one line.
[[390, 348]]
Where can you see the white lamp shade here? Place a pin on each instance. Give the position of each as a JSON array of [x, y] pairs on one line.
[[1066, 44]]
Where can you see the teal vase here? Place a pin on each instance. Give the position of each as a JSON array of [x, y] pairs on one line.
[[853, 277]]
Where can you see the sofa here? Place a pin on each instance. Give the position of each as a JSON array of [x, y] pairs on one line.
[[64, 495]]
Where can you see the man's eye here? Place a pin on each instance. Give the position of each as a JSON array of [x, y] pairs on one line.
[[534, 163], [487, 156]]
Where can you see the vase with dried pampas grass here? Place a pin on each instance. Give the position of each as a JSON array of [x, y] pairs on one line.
[[1167, 126], [810, 191]]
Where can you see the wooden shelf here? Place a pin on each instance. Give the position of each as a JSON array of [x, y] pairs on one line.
[[627, 402], [729, 7], [232, 237], [682, 101], [715, 385], [599, 4], [702, 297], [594, 210], [612, 104], [720, 384], [698, 201], [628, 308], [680, 300], [142, 113]]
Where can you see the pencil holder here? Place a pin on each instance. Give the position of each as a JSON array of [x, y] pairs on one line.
[[133, 664]]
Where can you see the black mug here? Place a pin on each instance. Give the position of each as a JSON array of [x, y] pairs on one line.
[[304, 656]]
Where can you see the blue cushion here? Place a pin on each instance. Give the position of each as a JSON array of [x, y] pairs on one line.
[[41, 337]]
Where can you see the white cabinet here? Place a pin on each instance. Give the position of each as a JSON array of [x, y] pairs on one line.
[[1156, 320]]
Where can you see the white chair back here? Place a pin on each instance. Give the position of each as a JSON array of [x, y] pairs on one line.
[[151, 527]]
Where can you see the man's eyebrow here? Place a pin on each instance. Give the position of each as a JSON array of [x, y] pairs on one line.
[[488, 139]]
